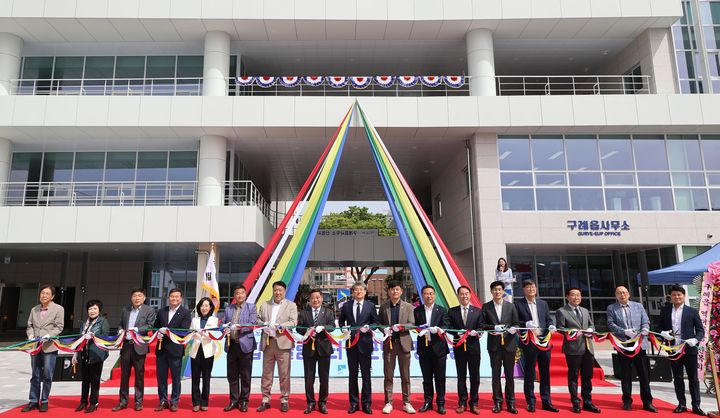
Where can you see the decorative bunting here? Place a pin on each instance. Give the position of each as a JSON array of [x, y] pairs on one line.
[[360, 82], [384, 81], [337, 82], [244, 80], [454, 81], [407, 80], [290, 81], [313, 80], [431, 80], [265, 82]]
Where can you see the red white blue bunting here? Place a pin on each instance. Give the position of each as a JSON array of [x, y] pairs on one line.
[[357, 82], [407, 80], [431, 80], [385, 81], [291, 81], [360, 82], [265, 81], [454, 81], [313, 80], [244, 80], [336, 82]]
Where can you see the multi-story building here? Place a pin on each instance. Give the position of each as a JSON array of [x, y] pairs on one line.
[[563, 135]]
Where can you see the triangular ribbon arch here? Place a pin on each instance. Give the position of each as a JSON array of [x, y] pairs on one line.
[[285, 256]]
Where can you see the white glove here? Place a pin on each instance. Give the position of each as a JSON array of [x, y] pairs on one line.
[[512, 330], [160, 336], [365, 328], [630, 333], [163, 330], [692, 342], [396, 328], [499, 328], [196, 336], [473, 333], [88, 336], [120, 331], [319, 329], [433, 330], [530, 324], [234, 327], [46, 337], [552, 328], [74, 359], [645, 332], [134, 329], [667, 335], [589, 330]]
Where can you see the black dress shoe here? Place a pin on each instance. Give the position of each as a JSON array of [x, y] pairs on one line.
[[43, 407], [366, 409], [530, 408], [162, 406], [511, 408], [426, 407], [243, 407], [230, 407], [284, 407], [119, 407], [353, 409], [591, 408], [92, 408], [497, 408], [322, 408], [576, 408], [138, 407], [627, 406], [81, 407], [650, 408], [309, 408], [698, 411], [441, 410], [173, 407], [29, 407], [680, 409], [263, 407], [549, 407]]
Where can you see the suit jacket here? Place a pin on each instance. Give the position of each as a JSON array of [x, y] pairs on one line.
[[286, 317], [565, 318], [690, 325], [436, 344], [181, 320], [52, 324], [405, 318], [509, 318], [246, 336], [617, 325], [323, 346], [368, 316], [543, 313], [210, 346], [144, 322], [474, 321], [101, 327]]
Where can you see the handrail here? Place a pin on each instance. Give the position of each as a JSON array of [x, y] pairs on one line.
[[529, 85]]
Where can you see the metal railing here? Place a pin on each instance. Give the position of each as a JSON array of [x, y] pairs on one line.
[[109, 87], [572, 85], [244, 193]]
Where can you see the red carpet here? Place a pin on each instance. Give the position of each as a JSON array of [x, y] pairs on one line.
[[64, 406], [558, 367]]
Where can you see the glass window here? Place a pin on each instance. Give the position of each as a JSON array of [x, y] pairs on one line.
[[190, 66], [130, 67], [518, 199], [57, 166], [582, 154], [715, 199], [68, 67], [585, 179], [619, 179], [650, 154], [550, 179], [656, 199], [89, 166], [548, 154], [711, 152], [616, 154], [182, 166], [691, 199], [152, 166], [587, 199], [120, 166], [549, 276], [621, 199], [575, 273], [38, 68], [522, 270], [552, 199], [653, 179], [25, 167], [602, 283], [516, 179], [160, 67], [99, 67], [514, 154], [684, 155], [713, 179], [688, 179]]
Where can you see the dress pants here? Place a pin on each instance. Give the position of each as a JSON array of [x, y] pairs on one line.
[[580, 364], [689, 362], [642, 365], [533, 356], [465, 363], [502, 360], [201, 368], [129, 360], [239, 373], [90, 381], [322, 365], [433, 370], [43, 367], [165, 362], [390, 357], [359, 362], [272, 354]]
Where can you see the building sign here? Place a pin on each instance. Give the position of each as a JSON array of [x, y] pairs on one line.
[[596, 228], [347, 232]]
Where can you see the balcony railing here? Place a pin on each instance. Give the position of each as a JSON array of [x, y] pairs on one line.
[[542, 85], [109, 87]]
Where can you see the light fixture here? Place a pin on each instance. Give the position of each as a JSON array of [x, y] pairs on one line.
[[608, 155], [505, 154], [554, 156]]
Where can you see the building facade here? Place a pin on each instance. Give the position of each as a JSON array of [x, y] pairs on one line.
[[560, 134]]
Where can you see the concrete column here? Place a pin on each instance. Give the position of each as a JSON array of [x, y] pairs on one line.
[[211, 170], [10, 58], [481, 62], [216, 63], [5, 156]]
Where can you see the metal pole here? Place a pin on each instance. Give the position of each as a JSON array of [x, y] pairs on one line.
[[472, 215]]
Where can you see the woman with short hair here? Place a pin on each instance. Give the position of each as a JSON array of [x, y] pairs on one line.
[[91, 357], [202, 352]]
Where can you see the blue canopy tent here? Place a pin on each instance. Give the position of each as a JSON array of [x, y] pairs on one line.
[[685, 272]]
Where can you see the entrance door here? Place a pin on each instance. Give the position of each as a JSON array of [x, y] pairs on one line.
[[28, 299], [9, 304]]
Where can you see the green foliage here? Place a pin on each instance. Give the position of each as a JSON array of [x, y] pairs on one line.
[[356, 217]]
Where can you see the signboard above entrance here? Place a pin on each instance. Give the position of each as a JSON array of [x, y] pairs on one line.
[[598, 228], [347, 232]]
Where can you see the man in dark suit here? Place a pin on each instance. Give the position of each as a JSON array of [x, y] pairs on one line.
[[579, 352], [534, 313], [359, 313], [398, 316], [500, 316], [467, 356], [239, 348], [168, 355], [139, 318], [317, 349], [432, 349], [682, 323]]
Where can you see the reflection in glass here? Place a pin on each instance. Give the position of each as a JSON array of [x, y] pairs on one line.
[[182, 166], [602, 281], [621, 199], [650, 154], [518, 199], [89, 166], [688, 179], [684, 155], [120, 166], [616, 154], [552, 199], [711, 153], [691, 199], [57, 166], [548, 154], [514, 154], [619, 179], [575, 273], [715, 199], [582, 154], [587, 199], [550, 179], [656, 199], [653, 179], [516, 179], [585, 179], [549, 277]]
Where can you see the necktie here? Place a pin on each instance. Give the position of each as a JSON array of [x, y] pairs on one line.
[[235, 319], [315, 315], [357, 312], [628, 320], [464, 315], [579, 317]]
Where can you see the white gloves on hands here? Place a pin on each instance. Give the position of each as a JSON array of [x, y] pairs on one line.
[[365, 328], [499, 328], [645, 332], [692, 342], [630, 333], [473, 333], [74, 359], [433, 330], [234, 327], [589, 331], [89, 336], [396, 328], [46, 337], [552, 328], [512, 330], [667, 335], [530, 324], [319, 329]]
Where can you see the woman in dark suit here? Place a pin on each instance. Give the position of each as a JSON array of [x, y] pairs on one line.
[[91, 357]]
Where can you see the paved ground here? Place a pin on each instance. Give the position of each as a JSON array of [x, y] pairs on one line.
[[15, 377]]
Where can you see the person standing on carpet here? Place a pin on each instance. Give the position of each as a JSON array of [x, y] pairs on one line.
[[91, 357], [534, 313], [467, 356], [138, 318], [397, 314], [202, 352], [168, 354], [46, 320], [359, 314], [626, 319], [682, 323], [276, 314], [239, 347], [579, 352], [432, 349], [316, 350], [500, 316]]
